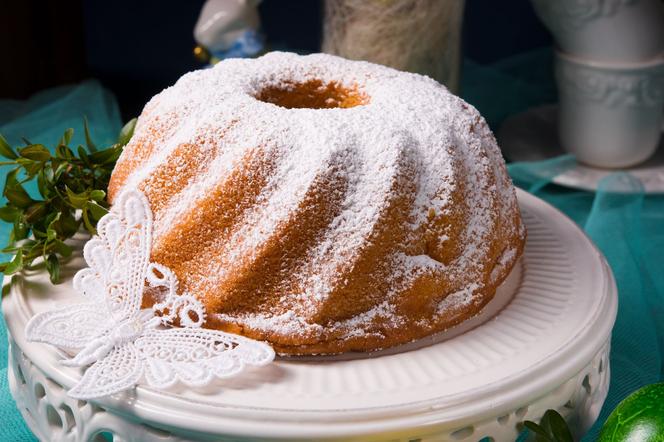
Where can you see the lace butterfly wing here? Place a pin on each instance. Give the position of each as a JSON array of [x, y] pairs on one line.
[[194, 356], [120, 370], [128, 236], [69, 327]]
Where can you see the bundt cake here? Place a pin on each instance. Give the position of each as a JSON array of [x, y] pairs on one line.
[[324, 205]]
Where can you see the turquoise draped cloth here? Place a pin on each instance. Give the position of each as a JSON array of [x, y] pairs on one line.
[[626, 224], [43, 118]]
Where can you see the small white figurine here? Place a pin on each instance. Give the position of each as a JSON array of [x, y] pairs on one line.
[[228, 29]]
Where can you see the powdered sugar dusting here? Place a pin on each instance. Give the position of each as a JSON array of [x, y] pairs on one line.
[[411, 144]]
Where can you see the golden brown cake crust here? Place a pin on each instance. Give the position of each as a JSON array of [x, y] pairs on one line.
[[324, 205]]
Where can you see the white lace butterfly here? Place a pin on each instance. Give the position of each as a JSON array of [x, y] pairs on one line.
[[122, 343]]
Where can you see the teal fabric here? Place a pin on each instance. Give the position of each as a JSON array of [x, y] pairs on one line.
[[509, 86], [627, 225], [43, 118]]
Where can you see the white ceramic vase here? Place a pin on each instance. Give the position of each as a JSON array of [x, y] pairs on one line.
[[610, 77]]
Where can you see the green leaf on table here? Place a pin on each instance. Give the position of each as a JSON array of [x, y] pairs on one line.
[[15, 265], [552, 428], [540, 434], [66, 225], [558, 426], [51, 232], [62, 248], [72, 184], [53, 268]]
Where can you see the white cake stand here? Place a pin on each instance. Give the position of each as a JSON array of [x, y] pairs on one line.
[[532, 136], [542, 344]]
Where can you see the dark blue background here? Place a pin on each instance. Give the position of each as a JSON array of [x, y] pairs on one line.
[[139, 47]]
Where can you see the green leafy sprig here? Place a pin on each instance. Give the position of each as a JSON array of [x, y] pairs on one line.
[[72, 184], [552, 428]]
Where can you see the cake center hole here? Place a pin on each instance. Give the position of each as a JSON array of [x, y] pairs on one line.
[[313, 94]]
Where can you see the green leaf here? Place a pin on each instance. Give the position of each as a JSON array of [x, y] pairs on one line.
[[6, 150], [88, 139], [66, 225], [539, 432], [51, 232], [9, 214], [77, 200], [17, 195], [64, 152], [15, 192], [36, 152], [20, 231], [62, 167], [62, 248], [106, 156], [66, 137], [97, 195], [557, 426], [10, 179], [32, 168], [35, 249], [96, 210], [82, 154], [35, 212], [15, 265], [127, 132], [28, 243], [53, 268], [69, 180], [42, 184], [38, 234], [552, 428], [87, 222]]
